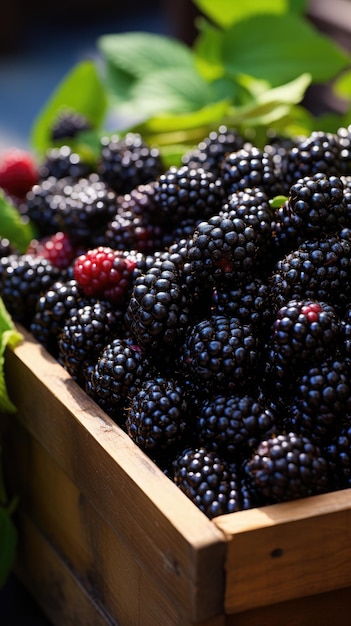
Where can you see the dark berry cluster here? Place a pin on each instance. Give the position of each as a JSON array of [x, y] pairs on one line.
[[205, 307]]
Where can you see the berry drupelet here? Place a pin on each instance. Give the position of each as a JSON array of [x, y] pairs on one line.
[[286, 467], [158, 415], [209, 481], [126, 162], [211, 151]]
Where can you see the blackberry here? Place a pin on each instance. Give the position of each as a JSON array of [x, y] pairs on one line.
[[80, 208], [63, 162], [252, 206], [211, 151], [223, 250], [126, 162], [53, 307], [84, 334], [158, 415], [132, 228], [68, 124], [250, 167], [319, 152], [318, 202], [249, 302], [158, 309], [117, 373], [210, 482], [183, 193], [302, 331], [321, 400], [287, 232], [233, 425], [22, 281], [318, 269], [219, 353], [286, 467]]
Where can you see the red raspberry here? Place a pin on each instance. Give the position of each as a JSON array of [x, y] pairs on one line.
[[18, 172], [104, 272], [57, 248]]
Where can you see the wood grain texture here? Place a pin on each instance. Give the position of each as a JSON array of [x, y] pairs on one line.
[[287, 551], [169, 538]]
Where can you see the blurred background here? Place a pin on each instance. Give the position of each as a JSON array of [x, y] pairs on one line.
[[40, 42]]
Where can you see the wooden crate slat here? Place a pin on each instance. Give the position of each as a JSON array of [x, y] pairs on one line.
[[286, 551], [131, 494]]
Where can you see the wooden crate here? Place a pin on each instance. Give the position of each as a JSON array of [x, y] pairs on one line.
[[107, 539]]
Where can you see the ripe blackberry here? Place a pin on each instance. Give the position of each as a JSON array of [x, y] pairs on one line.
[[158, 415], [210, 482], [211, 151], [158, 309], [64, 297], [223, 250], [287, 233], [105, 273], [304, 331], [84, 334], [249, 302], [318, 202], [117, 373], [286, 467], [183, 193], [80, 208], [318, 269], [233, 425], [219, 353], [250, 167], [68, 124], [126, 162], [23, 279], [319, 152], [63, 162], [131, 228], [322, 399], [252, 206]]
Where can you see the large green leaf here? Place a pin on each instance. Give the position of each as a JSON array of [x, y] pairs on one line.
[[18, 231], [268, 47], [131, 57], [227, 12], [80, 90]]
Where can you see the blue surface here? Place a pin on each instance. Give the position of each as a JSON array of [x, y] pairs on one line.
[[28, 77]]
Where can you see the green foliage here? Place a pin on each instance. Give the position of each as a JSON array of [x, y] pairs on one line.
[[13, 227], [173, 93], [9, 337]]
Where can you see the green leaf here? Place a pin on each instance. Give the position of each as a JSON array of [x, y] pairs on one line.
[[81, 90], [139, 53], [208, 51], [8, 545], [16, 229], [277, 201], [9, 337], [342, 86], [131, 57], [268, 48], [226, 12], [180, 125]]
